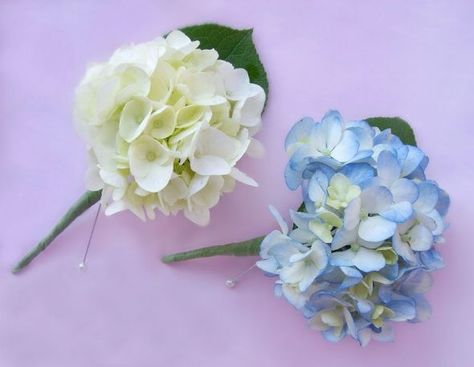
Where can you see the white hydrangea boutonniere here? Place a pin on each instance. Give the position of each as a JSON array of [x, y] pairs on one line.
[[166, 122]]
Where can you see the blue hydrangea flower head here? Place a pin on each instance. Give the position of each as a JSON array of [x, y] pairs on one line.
[[359, 256]]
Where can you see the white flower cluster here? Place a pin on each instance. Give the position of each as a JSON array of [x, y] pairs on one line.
[[165, 123]]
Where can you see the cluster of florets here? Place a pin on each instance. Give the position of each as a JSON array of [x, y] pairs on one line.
[[359, 255], [166, 123]]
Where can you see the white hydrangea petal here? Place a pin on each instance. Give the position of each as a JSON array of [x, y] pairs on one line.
[[156, 179], [144, 153], [174, 191], [93, 181], [255, 149], [162, 123], [248, 111], [201, 89], [113, 178], [198, 215], [197, 183], [134, 118], [134, 82], [243, 177], [189, 115], [162, 82], [209, 195], [229, 184], [178, 40], [214, 142], [144, 55], [105, 100], [202, 59], [237, 84], [209, 165]]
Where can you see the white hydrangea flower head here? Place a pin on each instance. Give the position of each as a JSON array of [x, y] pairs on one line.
[[165, 124]]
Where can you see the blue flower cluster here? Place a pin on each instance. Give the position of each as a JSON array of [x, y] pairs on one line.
[[360, 255]]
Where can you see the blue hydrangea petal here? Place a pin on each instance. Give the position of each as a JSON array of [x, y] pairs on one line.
[[375, 199], [404, 310], [293, 177], [317, 188], [302, 236], [423, 309], [268, 265], [431, 259], [352, 214], [443, 202], [343, 238], [299, 134], [364, 306], [358, 173], [281, 222], [351, 328], [368, 260], [333, 334], [404, 190], [332, 128], [376, 228], [386, 334], [388, 168], [427, 198], [421, 238], [347, 148], [412, 161], [416, 282], [342, 258], [364, 336], [398, 213], [403, 249]]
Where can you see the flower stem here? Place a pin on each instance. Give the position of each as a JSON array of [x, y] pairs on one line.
[[244, 248], [88, 199]]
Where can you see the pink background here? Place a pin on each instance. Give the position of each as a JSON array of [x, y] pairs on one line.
[[413, 58]]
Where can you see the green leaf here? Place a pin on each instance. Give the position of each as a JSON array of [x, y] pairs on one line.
[[233, 45], [399, 127]]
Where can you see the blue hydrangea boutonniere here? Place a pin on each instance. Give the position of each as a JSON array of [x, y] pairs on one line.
[[359, 252]]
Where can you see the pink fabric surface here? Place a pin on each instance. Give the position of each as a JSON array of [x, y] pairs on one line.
[[367, 58]]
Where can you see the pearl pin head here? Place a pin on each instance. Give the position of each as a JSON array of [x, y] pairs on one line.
[[230, 283]]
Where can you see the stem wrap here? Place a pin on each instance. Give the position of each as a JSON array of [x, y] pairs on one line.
[[243, 248], [88, 199]]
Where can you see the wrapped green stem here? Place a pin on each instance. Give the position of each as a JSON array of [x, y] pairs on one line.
[[88, 199], [244, 248]]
